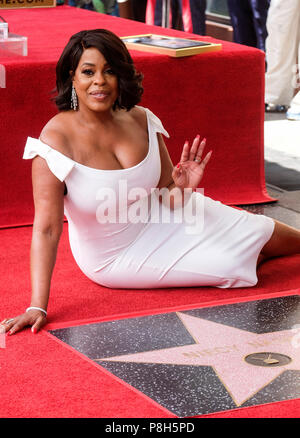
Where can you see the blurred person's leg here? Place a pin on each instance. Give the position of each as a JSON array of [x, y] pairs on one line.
[[176, 9], [158, 13], [282, 46], [125, 9], [241, 15], [176, 14], [197, 11], [260, 12], [139, 10], [198, 8]]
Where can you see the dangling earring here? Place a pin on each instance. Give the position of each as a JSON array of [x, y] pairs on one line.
[[74, 100]]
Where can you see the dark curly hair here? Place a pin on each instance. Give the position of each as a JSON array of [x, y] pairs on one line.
[[116, 54]]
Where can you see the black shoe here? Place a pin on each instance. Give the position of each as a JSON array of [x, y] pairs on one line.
[[273, 108]]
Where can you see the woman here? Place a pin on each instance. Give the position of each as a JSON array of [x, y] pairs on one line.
[[101, 143]]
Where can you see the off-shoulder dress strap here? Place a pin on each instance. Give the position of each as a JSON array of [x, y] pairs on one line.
[[59, 164]]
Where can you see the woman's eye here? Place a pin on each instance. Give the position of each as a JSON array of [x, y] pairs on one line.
[[87, 72], [109, 71]]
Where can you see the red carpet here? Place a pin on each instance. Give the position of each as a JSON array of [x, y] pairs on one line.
[[56, 382], [221, 98]]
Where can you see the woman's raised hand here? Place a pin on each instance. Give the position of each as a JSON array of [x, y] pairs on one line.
[[34, 318], [189, 171]]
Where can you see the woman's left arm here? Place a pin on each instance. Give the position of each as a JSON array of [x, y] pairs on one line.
[[167, 167]]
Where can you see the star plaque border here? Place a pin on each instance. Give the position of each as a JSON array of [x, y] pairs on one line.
[[194, 362]]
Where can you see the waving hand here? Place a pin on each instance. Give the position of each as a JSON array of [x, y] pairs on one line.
[[189, 171]]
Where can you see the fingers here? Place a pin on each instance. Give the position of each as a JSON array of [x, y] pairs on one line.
[[200, 147], [16, 326], [39, 324], [7, 320], [205, 160], [7, 323], [185, 152], [193, 152], [195, 147], [13, 325]]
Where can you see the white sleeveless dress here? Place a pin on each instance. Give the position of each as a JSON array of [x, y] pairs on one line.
[[118, 247]]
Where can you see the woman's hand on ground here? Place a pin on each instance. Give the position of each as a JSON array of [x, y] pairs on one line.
[[34, 318]]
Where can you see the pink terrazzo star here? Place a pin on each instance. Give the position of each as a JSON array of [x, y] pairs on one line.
[[224, 348]]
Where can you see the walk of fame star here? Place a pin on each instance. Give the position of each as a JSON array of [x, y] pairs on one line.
[[199, 363], [224, 349]]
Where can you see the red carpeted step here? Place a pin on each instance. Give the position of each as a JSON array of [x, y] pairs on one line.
[[219, 96]]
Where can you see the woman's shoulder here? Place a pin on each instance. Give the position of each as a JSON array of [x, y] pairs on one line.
[[138, 111], [139, 115], [56, 133]]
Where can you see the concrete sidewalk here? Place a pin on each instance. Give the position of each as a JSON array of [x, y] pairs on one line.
[[282, 151], [282, 167]]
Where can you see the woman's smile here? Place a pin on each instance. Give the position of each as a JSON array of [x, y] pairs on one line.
[[99, 95]]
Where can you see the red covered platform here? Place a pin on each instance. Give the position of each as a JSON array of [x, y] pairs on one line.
[[218, 95]]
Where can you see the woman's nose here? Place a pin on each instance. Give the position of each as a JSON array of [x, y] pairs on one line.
[[99, 78]]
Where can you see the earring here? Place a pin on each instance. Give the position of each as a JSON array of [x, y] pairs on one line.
[[74, 100]]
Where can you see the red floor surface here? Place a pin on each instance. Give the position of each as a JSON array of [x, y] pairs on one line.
[[55, 381]]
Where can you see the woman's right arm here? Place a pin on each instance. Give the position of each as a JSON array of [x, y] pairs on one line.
[[48, 194]]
